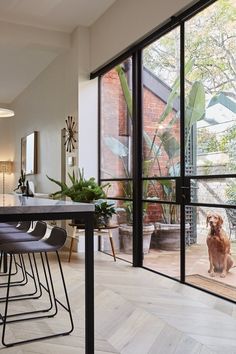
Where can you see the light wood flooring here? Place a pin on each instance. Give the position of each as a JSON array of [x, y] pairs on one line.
[[137, 312]]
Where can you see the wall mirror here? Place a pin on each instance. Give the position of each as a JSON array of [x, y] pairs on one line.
[[29, 154]]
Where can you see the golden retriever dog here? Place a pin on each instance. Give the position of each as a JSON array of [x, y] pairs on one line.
[[218, 246]]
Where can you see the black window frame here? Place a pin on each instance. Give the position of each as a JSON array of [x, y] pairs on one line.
[[135, 51]]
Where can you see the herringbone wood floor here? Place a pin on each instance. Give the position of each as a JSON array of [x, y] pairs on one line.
[[137, 312]]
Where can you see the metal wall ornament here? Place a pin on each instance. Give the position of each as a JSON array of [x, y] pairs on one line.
[[70, 134]]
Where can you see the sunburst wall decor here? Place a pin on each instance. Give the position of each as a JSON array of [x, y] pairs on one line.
[[70, 135]]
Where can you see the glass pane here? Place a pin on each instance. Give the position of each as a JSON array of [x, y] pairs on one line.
[[122, 235], [161, 105], [214, 191], [210, 102], [159, 190], [163, 254], [214, 231], [121, 189], [125, 220], [116, 122]]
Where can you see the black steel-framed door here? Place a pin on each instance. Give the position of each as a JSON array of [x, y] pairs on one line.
[[207, 121]]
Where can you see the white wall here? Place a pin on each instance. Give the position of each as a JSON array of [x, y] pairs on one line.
[[88, 98], [43, 106], [125, 22], [88, 128]]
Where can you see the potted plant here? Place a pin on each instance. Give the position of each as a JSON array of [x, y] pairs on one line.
[[163, 150], [86, 191], [126, 229], [125, 211], [104, 210], [81, 189]]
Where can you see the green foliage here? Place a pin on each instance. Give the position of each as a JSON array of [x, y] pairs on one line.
[[229, 136], [170, 144], [195, 108], [208, 167], [195, 111], [207, 141], [86, 191], [104, 210], [128, 206], [174, 92], [210, 40], [125, 88], [81, 189], [230, 192]]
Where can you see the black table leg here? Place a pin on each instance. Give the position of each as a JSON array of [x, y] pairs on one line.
[[89, 285], [4, 262]]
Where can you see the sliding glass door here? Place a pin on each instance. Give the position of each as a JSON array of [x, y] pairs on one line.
[[189, 85], [177, 93], [211, 47]]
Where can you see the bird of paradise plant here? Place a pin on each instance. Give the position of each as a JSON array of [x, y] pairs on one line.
[[194, 111]]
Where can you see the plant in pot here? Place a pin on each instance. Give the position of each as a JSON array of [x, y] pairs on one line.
[[161, 152], [86, 191], [126, 229], [104, 210]]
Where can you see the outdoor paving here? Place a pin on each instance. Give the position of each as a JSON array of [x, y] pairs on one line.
[[196, 261]]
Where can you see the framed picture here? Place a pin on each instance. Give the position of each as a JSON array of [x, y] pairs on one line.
[[29, 153]]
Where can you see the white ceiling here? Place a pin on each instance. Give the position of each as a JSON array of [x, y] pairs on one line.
[[34, 32], [61, 15]]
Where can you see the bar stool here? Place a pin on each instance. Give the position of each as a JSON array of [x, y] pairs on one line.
[[37, 233], [21, 234], [8, 224], [24, 226], [53, 243]]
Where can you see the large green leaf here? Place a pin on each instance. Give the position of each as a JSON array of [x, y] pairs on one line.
[[174, 169], [170, 144], [125, 88], [174, 92], [116, 146], [59, 183], [151, 145], [146, 166], [195, 109]]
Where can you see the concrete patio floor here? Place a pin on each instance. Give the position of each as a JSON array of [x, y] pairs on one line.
[[196, 262]]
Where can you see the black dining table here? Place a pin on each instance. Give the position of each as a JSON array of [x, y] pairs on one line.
[[15, 207]]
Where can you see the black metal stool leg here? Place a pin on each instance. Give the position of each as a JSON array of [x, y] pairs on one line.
[[6, 305], [4, 262], [55, 241]]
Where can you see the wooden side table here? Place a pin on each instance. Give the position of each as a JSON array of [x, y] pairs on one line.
[[106, 230]]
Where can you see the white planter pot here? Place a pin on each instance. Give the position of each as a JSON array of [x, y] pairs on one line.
[[126, 237]]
